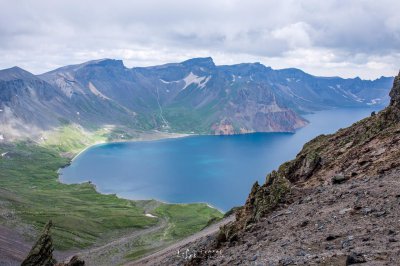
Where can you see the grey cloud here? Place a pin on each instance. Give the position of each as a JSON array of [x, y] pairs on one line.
[[349, 35]]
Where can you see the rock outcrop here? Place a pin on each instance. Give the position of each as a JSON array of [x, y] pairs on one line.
[[41, 253]]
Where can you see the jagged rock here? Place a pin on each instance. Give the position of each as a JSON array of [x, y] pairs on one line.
[[41, 253], [338, 179], [263, 199], [395, 93], [75, 261], [331, 237], [355, 258], [310, 164]]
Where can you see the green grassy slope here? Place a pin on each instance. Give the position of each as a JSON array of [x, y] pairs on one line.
[[30, 189]]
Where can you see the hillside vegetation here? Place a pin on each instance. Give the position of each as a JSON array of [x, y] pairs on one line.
[[31, 195]]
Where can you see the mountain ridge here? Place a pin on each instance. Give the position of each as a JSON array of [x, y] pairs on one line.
[[193, 96]]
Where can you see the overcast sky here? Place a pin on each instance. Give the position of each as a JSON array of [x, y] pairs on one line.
[[327, 38]]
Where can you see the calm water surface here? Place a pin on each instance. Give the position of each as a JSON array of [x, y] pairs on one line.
[[219, 170]]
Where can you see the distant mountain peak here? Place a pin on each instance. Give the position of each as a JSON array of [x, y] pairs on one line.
[[106, 62], [15, 73], [200, 61]]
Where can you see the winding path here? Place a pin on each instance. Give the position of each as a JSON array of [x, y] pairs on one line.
[[104, 255], [156, 258]]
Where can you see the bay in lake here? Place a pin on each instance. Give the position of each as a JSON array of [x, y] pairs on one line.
[[219, 170]]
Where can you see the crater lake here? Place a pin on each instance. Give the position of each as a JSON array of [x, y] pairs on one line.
[[218, 170]]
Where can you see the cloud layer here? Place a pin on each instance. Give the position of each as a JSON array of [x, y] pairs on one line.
[[331, 37]]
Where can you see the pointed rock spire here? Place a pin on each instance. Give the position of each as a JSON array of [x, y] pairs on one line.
[[42, 252], [395, 93]]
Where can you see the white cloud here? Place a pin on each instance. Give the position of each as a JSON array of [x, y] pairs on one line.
[[360, 37], [295, 35]]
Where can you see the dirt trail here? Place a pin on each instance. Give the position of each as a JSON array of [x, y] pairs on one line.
[[157, 257], [114, 251]]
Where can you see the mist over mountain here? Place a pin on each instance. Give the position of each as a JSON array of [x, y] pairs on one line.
[[194, 96]]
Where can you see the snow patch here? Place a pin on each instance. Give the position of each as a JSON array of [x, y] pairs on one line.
[[204, 82], [168, 82], [293, 94], [94, 90], [150, 215], [346, 94], [194, 79]]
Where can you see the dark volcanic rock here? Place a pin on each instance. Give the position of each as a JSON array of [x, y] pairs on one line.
[[395, 93], [338, 179], [75, 261], [355, 258], [42, 251]]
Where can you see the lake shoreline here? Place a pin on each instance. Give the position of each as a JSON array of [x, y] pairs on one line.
[[153, 136], [199, 165], [149, 136]]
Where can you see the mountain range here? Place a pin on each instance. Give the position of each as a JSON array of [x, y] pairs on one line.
[[194, 96]]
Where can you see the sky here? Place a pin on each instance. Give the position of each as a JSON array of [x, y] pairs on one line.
[[324, 38]]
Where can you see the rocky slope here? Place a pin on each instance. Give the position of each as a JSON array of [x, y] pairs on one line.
[[191, 96], [336, 203]]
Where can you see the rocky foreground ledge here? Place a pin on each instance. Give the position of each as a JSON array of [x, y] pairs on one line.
[[41, 253], [336, 203]]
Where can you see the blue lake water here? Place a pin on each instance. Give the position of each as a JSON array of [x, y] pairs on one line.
[[219, 170]]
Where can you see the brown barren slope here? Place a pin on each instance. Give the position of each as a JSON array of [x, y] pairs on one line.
[[336, 203]]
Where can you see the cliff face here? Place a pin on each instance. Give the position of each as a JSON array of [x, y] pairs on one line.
[[336, 203]]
